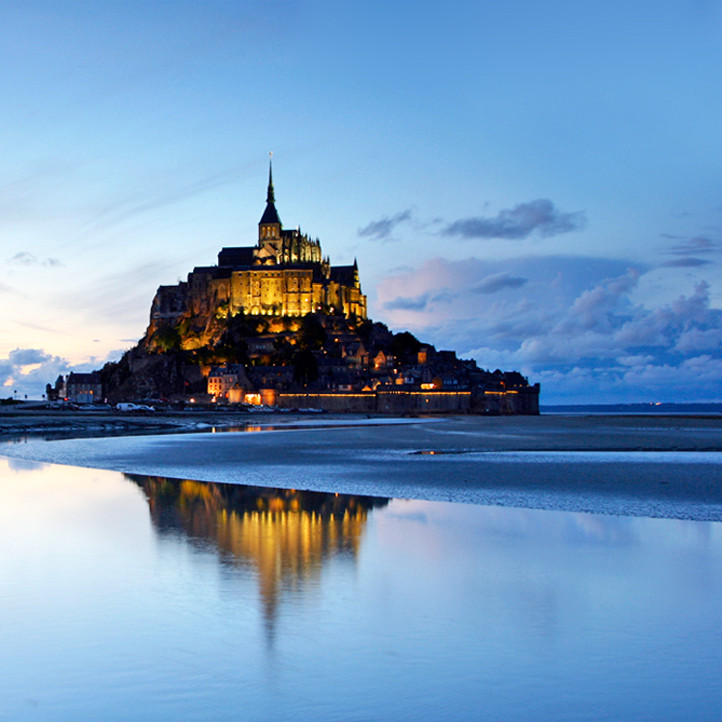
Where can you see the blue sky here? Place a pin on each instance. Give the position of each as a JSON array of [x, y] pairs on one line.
[[536, 185]]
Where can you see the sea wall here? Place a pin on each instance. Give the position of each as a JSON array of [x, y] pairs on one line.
[[404, 401], [340, 402]]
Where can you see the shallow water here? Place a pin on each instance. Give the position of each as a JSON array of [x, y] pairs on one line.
[[134, 597], [400, 462]]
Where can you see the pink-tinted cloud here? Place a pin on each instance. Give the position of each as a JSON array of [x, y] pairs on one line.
[[578, 319]]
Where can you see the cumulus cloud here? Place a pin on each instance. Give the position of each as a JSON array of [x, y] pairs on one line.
[[28, 356], [27, 370], [382, 229], [498, 282], [699, 339], [578, 325], [539, 217]]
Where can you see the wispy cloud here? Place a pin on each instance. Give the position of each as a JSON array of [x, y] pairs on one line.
[[25, 258], [382, 229], [539, 217], [498, 282], [687, 250], [694, 246], [113, 296], [121, 209], [687, 262], [406, 303]]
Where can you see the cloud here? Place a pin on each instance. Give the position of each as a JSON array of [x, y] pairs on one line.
[[28, 356], [578, 325], [697, 339], [539, 216], [498, 282], [599, 308], [24, 258], [113, 295], [445, 295], [119, 210], [382, 229], [687, 263], [402, 303], [27, 370], [643, 382], [693, 246]]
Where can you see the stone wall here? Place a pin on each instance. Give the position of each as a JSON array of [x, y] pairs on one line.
[[405, 402], [359, 403]]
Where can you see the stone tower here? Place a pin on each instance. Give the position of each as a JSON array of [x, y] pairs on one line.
[[269, 227]]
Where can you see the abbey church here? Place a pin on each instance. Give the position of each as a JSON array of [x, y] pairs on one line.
[[276, 324], [284, 274]]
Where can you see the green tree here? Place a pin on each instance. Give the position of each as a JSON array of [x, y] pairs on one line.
[[167, 338]]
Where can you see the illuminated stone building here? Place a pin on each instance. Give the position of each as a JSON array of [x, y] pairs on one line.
[[284, 274], [275, 324], [84, 388]]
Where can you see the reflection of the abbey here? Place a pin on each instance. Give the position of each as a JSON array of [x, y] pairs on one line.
[[286, 535]]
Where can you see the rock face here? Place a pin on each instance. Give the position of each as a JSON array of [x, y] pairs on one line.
[[319, 360], [140, 375], [297, 329]]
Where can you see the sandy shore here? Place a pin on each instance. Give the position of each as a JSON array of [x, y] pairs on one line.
[[495, 433], [647, 466]]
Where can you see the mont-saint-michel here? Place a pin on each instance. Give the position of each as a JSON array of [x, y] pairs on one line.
[[277, 324]]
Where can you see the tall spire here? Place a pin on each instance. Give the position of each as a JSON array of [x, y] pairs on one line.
[[270, 215], [270, 197]]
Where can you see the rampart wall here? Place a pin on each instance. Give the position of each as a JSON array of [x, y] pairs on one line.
[[405, 402]]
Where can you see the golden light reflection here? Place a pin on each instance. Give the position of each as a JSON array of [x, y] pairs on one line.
[[285, 535]]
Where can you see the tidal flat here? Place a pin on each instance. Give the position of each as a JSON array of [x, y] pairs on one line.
[[657, 466]]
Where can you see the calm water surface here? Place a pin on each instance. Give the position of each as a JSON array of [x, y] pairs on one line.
[[131, 598]]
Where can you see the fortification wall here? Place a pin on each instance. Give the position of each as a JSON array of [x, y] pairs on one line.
[[406, 402], [340, 402], [401, 402]]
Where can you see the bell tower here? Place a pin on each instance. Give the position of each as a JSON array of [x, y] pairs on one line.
[[269, 227]]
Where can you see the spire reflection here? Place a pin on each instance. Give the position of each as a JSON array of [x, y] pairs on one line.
[[284, 534]]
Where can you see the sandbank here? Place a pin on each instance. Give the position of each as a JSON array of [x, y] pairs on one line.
[[657, 466]]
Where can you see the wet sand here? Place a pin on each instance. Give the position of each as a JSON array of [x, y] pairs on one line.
[[491, 433], [639, 465]]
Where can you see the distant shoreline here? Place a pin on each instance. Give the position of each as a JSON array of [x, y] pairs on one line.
[[704, 408], [555, 431]]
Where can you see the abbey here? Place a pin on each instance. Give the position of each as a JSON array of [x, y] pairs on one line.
[[276, 324], [284, 274]]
